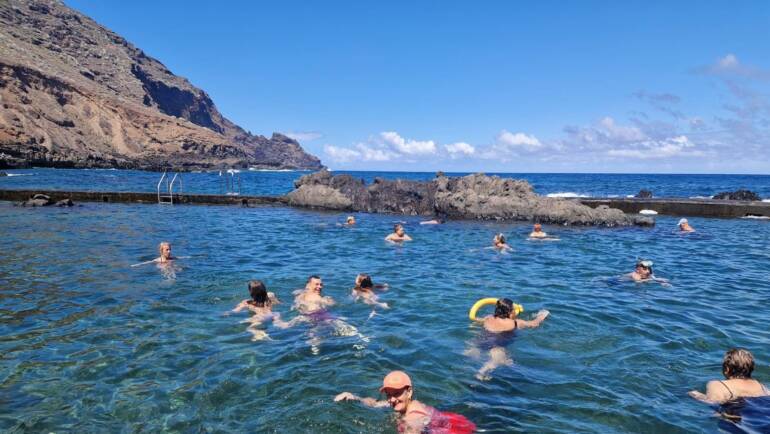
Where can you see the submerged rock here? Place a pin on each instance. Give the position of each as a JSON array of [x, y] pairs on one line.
[[476, 196], [738, 195], [3, 173]]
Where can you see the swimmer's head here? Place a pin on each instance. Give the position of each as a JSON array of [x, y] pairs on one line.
[[499, 238], [682, 222], [738, 363], [504, 308], [398, 229], [350, 220], [258, 292], [644, 268], [164, 249], [314, 283], [537, 227], [364, 281], [397, 387]]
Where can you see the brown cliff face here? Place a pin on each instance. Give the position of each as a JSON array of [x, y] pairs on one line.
[[74, 94]]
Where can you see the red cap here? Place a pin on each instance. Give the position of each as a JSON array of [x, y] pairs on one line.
[[395, 380]]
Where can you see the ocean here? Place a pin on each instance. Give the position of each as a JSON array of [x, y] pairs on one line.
[[91, 344], [281, 182]]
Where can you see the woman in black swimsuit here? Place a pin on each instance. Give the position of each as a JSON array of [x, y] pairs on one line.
[[737, 366]]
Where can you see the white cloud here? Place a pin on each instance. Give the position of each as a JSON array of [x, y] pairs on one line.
[[727, 62], [679, 146], [369, 153], [409, 147], [303, 136], [455, 149], [362, 152], [518, 140], [341, 155]]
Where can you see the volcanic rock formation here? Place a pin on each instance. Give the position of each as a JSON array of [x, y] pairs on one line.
[[469, 197], [76, 94], [738, 195]]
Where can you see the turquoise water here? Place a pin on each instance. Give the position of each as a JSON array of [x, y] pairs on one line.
[[277, 183], [90, 344]]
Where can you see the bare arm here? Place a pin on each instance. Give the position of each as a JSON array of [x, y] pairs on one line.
[[542, 315], [242, 305], [716, 393], [369, 402], [278, 322]]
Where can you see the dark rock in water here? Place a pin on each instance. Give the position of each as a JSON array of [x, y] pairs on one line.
[[65, 202], [738, 195], [644, 194], [476, 196], [3, 173], [38, 200]]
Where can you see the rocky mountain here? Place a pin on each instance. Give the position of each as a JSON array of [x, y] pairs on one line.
[[75, 94]]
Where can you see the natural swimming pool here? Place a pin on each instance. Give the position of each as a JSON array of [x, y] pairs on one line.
[[90, 344]]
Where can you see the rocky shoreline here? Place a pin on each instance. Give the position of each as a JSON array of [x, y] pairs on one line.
[[475, 197]]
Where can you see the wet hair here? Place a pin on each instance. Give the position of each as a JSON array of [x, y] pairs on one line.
[[258, 292], [365, 281], [160, 246], [500, 238], [313, 277], [503, 308], [396, 226], [738, 363]]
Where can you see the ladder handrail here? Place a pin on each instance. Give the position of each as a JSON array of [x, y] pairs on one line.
[[159, 183]]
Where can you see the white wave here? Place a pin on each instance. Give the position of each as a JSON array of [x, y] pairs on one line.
[[648, 212], [231, 171], [756, 217], [701, 197], [613, 195], [765, 200], [19, 174], [254, 169], [565, 194], [630, 196]]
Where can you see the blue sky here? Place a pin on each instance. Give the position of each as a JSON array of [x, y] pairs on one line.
[[638, 86]]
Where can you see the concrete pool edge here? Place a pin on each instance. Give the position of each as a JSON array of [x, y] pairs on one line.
[[663, 206]]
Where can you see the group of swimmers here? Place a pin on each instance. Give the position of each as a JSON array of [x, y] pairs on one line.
[[415, 417]]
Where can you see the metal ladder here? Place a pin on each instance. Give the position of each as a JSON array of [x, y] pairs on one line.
[[167, 195], [227, 184]]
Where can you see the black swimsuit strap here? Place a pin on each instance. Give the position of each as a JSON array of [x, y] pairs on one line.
[[728, 389]]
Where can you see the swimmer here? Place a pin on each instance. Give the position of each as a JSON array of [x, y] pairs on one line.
[[414, 417], [310, 301], [312, 306], [260, 304], [537, 232], [398, 234], [350, 221], [499, 243], [499, 330], [737, 366], [364, 290], [643, 271], [684, 226], [164, 248]]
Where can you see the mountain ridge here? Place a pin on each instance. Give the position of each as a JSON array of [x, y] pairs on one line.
[[75, 94]]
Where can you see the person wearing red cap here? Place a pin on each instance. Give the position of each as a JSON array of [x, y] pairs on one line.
[[414, 416]]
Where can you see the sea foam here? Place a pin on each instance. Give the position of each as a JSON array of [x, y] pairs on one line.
[[565, 194]]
